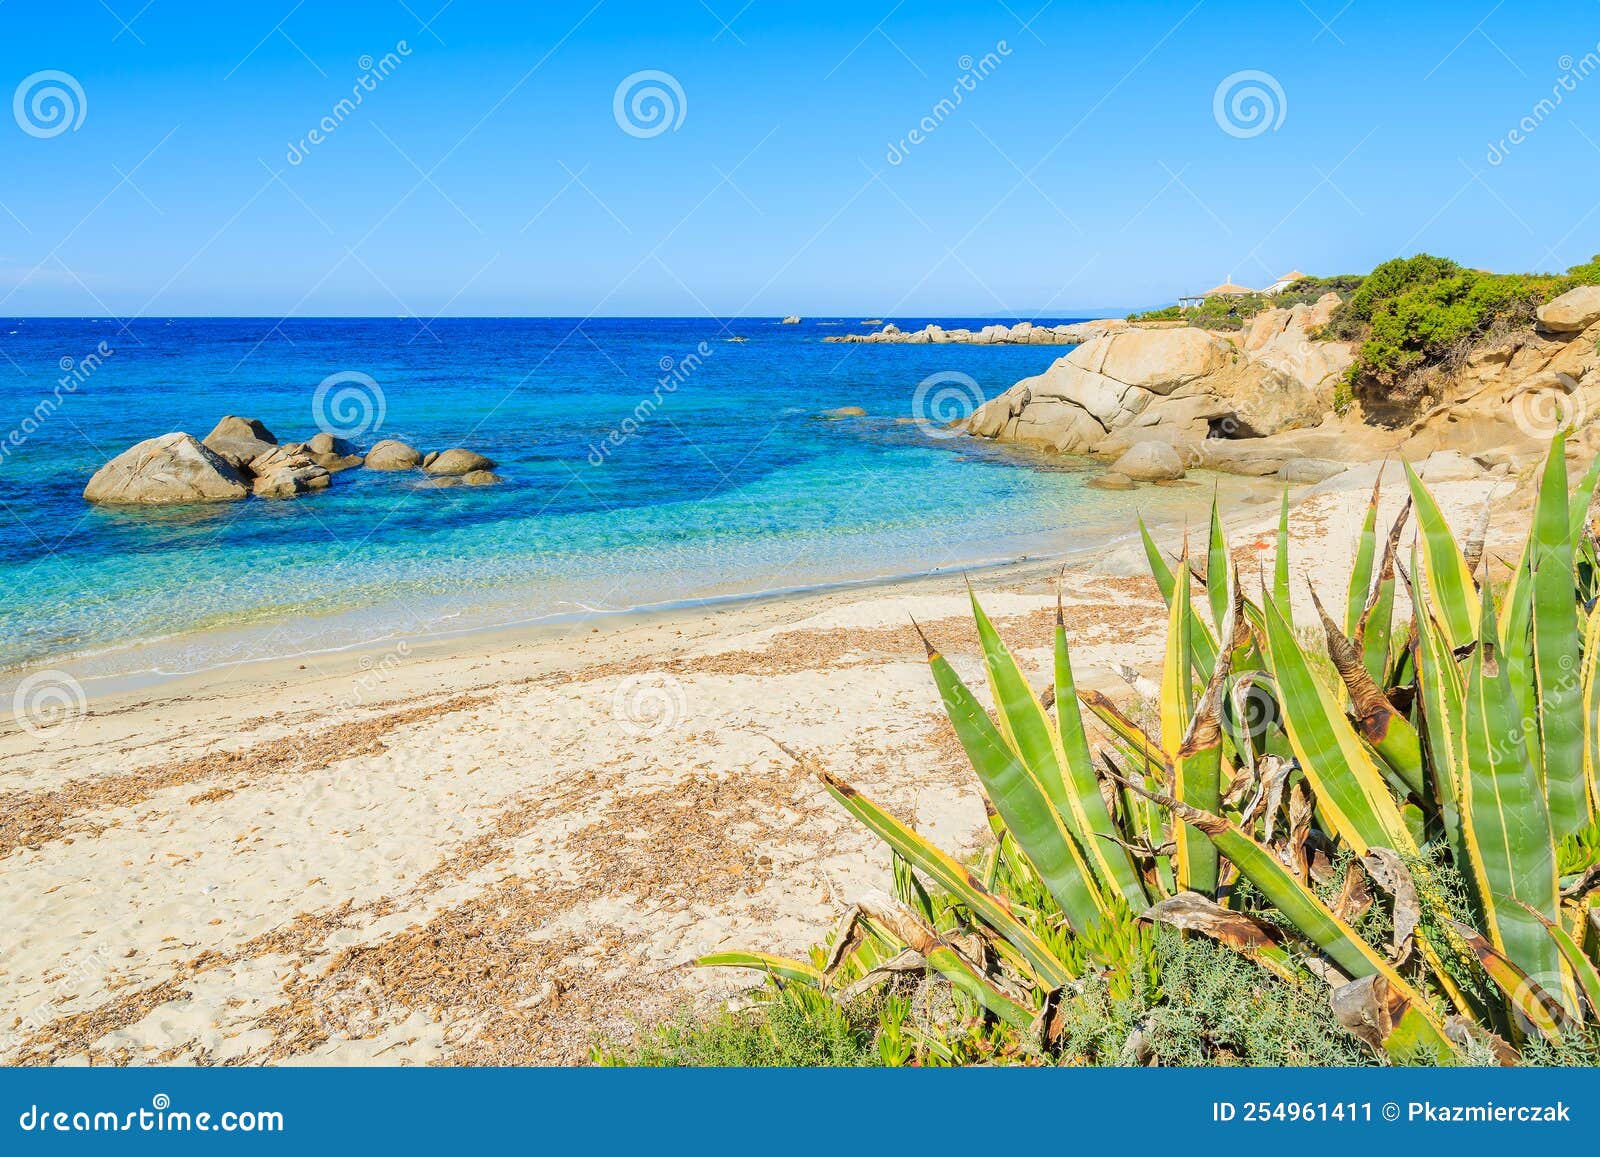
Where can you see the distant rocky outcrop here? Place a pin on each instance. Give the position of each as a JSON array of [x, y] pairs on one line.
[[1023, 333], [174, 468]]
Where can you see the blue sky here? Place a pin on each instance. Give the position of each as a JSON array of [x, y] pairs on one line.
[[487, 173]]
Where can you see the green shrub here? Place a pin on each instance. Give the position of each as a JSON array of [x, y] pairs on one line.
[[1226, 313], [1384, 284], [1212, 1007], [1416, 313], [1311, 289], [791, 1027], [1166, 313]]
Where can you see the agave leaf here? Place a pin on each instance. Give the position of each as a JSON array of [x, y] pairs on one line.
[[1280, 563], [1177, 683], [1198, 775], [1020, 792], [1530, 999], [1373, 631], [1315, 920], [1580, 500], [1366, 558], [1218, 572], [1556, 651], [1166, 581], [903, 924], [1388, 731], [953, 877], [1203, 647], [1196, 768], [1515, 625], [1583, 969], [1442, 693], [1350, 789], [1102, 839], [796, 970], [1129, 733], [1504, 818], [1591, 709], [1449, 580], [1247, 935]]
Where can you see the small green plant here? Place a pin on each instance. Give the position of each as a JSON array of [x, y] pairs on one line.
[[1344, 395], [1166, 313], [790, 1026], [1395, 831]]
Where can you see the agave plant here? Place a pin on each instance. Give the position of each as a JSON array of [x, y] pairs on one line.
[[1287, 788]]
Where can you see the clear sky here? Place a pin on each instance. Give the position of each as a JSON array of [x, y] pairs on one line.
[[1088, 163]]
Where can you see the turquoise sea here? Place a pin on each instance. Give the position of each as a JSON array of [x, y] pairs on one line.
[[648, 461]]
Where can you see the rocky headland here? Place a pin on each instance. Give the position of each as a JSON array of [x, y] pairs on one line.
[[1156, 401]]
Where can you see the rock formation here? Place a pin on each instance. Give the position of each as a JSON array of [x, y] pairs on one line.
[[241, 456], [1172, 385], [392, 455], [237, 440], [174, 468], [1260, 401], [456, 461]]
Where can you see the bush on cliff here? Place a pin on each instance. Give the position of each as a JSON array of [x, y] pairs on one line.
[[1415, 314]]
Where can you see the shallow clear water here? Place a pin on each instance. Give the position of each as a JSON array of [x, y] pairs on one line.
[[725, 483]]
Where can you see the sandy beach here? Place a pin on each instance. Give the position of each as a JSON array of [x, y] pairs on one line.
[[504, 848]]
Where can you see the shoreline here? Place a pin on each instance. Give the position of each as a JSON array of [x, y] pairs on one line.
[[132, 681], [502, 849]]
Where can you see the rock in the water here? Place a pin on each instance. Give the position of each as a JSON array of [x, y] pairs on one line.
[[392, 455], [1449, 466], [169, 470], [237, 440], [1149, 462], [333, 463], [277, 457], [1304, 470], [427, 459], [845, 412], [791, 320], [456, 462], [1573, 312], [326, 443], [481, 478], [288, 481], [1111, 480]]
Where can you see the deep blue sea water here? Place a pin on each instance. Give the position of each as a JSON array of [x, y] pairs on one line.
[[726, 483]]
